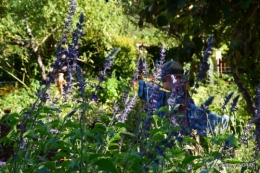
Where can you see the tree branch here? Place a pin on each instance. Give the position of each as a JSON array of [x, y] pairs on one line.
[[47, 36], [249, 100], [14, 77]]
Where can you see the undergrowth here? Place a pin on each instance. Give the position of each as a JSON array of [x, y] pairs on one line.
[[80, 130]]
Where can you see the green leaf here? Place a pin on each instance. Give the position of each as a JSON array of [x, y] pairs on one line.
[[234, 161], [188, 159], [94, 156], [47, 110], [155, 131], [177, 151], [122, 125], [106, 165], [243, 169], [232, 141], [30, 162], [189, 139], [42, 170], [113, 145], [29, 133], [158, 136], [155, 167], [99, 128], [65, 106], [136, 154], [61, 155], [71, 113], [127, 133], [50, 165], [162, 109], [162, 20], [72, 124], [203, 171]]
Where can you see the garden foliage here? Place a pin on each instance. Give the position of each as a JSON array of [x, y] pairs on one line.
[[75, 131]]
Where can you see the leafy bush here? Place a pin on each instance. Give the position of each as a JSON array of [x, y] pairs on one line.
[[71, 131]]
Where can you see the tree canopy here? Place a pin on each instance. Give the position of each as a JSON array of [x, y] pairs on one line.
[[234, 23], [30, 30]]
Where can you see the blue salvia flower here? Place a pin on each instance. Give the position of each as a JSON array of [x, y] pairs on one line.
[[80, 82], [176, 99], [58, 66], [150, 106], [198, 118], [204, 66], [156, 80], [234, 104], [172, 101], [208, 101], [103, 73], [108, 63], [245, 137], [73, 53], [226, 100], [67, 54], [130, 103]]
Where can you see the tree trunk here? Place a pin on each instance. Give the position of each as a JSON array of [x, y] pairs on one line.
[[249, 100]]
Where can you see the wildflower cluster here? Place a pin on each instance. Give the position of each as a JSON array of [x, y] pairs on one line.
[[65, 63], [152, 145], [156, 80], [67, 56], [151, 104]]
